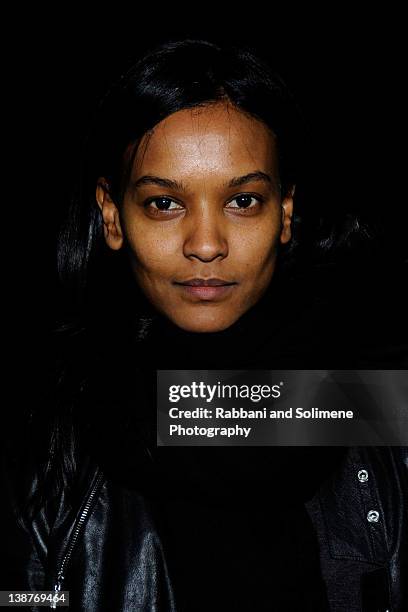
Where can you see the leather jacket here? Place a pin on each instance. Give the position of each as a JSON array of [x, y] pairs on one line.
[[105, 551], [360, 516], [108, 554]]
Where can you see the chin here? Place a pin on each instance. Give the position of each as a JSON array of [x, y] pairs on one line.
[[205, 323]]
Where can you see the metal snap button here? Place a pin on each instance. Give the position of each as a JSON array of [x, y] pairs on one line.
[[362, 475], [373, 516]]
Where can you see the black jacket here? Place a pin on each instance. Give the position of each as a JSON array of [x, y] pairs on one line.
[[108, 553], [253, 529]]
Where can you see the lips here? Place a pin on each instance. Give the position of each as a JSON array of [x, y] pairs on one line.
[[206, 289], [202, 282]]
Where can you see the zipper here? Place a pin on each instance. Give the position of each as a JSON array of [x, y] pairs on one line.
[[74, 536]]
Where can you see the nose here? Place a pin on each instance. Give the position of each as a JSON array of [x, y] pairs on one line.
[[205, 237]]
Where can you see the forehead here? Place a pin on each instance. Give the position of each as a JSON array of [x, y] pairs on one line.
[[216, 138]]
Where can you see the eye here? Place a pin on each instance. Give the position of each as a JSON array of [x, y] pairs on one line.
[[244, 201], [162, 204]]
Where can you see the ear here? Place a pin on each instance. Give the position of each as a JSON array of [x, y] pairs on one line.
[[110, 214], [287, 213]]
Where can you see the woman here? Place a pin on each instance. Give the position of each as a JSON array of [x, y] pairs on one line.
[[177, 253]]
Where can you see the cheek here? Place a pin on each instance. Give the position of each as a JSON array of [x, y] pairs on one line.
[[255, 250], [154, 252]]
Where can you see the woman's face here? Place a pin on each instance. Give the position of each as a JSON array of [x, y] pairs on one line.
[[202, 216]]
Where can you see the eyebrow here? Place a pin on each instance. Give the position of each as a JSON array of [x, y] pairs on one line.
[[148, 179], [237, 181], [249, 178]]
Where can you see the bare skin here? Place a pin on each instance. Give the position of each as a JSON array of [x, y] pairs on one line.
[[208, 222]]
